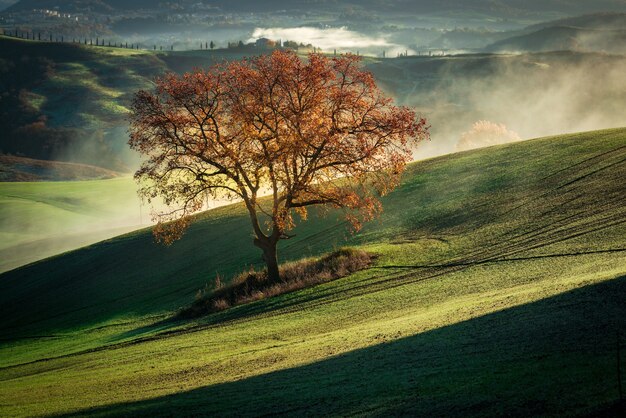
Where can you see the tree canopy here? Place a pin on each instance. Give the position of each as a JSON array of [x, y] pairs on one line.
[[314, 132]]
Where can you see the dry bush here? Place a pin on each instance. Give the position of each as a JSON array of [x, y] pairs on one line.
[[485, 134], [254, 285]]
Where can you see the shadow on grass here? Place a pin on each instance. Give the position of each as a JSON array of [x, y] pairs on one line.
[[552, 357], [157, 329], [276, 305]]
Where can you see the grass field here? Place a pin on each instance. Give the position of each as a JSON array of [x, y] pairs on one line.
[[40, 219], [499, 290]]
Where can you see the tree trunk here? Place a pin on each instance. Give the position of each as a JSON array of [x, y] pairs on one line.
[[271, 260], [270, 256]]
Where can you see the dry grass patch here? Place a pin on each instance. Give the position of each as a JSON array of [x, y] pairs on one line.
[[254, 285]]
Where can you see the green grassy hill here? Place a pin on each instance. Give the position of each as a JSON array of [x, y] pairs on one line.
[[69, 101], [499, 290], [41, 219]]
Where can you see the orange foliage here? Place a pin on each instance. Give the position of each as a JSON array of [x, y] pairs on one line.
[[308, 132]]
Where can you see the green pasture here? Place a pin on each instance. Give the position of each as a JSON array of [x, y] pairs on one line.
[[40, 219], [498, 291]]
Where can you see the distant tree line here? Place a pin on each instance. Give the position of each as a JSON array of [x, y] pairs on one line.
[[263, 43], [98, 41]]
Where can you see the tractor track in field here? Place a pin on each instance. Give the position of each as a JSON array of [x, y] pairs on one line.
[[586, 160], [557, 231], [502, 260], [570, 224], [544, 194]]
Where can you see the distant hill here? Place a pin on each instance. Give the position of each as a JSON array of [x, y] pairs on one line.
[[562, 38], [6, 3], [39, 219], [67, 102], [14, 168], [600, 32], [98, 6], [503, 7], [604, 20]]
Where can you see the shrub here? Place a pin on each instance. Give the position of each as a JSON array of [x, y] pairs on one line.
[[254, 285]]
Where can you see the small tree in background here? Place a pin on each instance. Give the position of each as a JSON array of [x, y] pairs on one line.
[[308, 133], [485, 134]]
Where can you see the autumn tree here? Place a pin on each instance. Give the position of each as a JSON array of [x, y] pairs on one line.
[[277, 132]]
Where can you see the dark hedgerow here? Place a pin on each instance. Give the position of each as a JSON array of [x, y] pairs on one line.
[[254, 285]]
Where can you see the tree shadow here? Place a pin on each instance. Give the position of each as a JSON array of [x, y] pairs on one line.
[[556, 356]]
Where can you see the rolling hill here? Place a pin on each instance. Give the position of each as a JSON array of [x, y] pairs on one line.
[[564, 38], [67, 102], [14, 168], [42, 218], [600, 32], [602, 20], [6, 3], [498, 290], [501, 8]]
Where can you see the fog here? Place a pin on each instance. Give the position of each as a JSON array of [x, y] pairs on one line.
[[40, 219], [532, 95], [339, 39]]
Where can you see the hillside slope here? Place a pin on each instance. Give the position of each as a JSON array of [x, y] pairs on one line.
[[602, 20], [41, 219], [14, 168], [564, 38], [503, 7], [67, 102], [498, 290]]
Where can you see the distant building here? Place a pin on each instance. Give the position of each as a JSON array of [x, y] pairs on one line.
[[265, 43]]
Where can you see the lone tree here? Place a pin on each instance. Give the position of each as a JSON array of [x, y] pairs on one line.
[[303, 132]]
